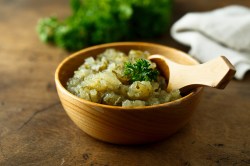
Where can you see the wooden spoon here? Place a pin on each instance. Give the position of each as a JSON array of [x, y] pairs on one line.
[[215, 73]]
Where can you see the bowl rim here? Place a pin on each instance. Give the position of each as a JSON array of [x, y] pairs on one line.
[[106, 45]]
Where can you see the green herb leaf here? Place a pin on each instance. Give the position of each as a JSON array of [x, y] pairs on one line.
[[101, 21], [140, 71]]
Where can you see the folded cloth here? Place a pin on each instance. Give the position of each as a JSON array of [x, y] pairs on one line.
[[224, 31]]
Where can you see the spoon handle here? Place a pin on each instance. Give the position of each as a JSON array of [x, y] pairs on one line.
[[215, 73]]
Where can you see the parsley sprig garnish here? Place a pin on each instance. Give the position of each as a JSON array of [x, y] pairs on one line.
[[140, 71]]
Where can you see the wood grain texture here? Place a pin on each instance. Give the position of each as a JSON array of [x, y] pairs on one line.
[[35, 130]]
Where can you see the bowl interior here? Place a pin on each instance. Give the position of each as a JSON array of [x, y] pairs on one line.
[[70, 64]]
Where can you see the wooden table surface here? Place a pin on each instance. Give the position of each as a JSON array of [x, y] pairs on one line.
[[35, 130]]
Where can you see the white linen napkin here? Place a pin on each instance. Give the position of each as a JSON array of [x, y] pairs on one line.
[[224, 31]]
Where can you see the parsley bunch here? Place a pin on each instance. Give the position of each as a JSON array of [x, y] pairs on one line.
[[101, 21], [140, 71]]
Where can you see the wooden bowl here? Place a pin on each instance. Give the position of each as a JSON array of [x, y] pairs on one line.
[[115, 124]]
